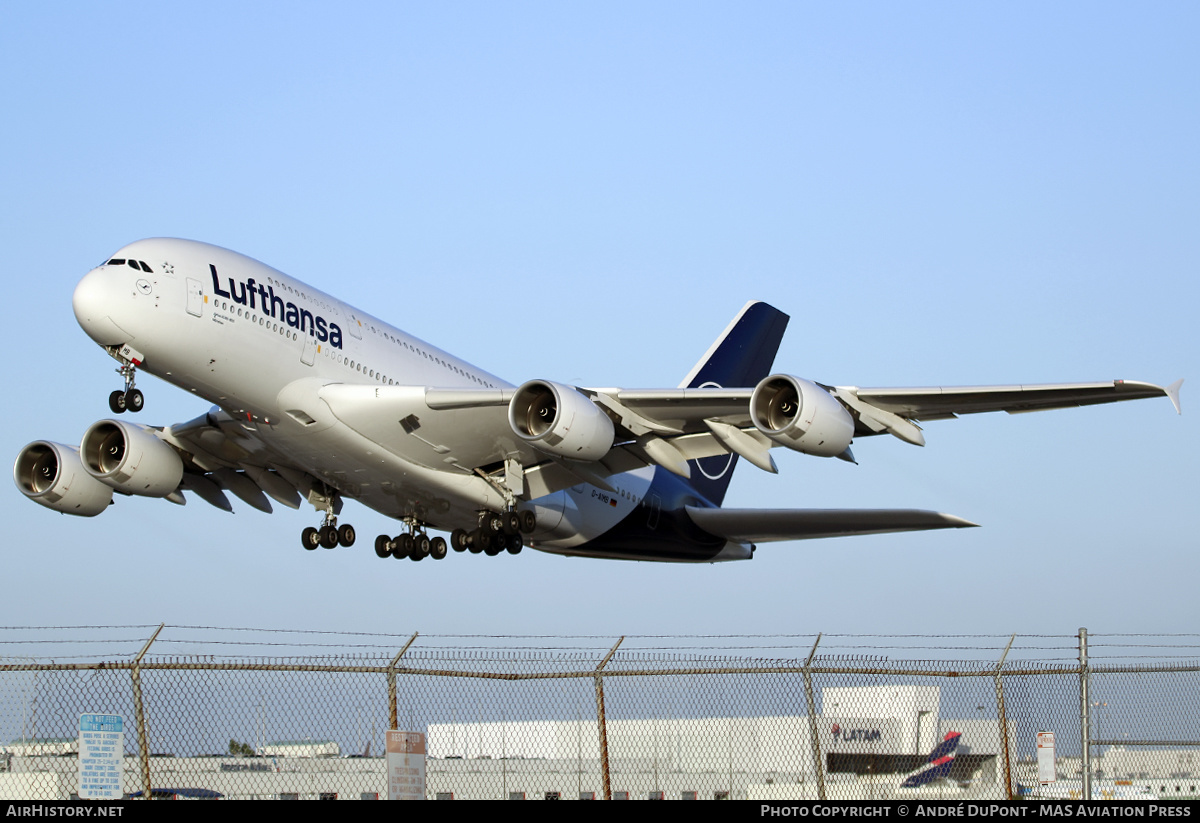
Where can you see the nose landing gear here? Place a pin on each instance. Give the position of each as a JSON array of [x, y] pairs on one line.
[[130, 400]]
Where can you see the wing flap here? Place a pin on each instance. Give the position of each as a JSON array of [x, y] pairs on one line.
[[775, 525]]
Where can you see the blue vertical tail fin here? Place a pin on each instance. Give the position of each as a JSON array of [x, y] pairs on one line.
[[740, 358]]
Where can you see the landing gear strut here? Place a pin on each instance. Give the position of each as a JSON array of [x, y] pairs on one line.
[[131, 399]]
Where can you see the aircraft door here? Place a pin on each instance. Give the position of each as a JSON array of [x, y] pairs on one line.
[[309, 353], [654, 505], [195, 297]]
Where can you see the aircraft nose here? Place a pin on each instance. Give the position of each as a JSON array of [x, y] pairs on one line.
[[94, 302]]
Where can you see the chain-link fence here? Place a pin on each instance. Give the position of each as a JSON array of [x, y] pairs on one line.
[[824, 717]]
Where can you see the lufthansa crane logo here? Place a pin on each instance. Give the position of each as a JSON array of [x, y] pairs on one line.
[[716, 467]]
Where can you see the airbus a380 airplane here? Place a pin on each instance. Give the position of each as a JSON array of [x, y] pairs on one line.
[[316, 400]]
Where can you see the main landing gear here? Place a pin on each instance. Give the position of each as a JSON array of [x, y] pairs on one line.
[[130, 400], [329, 535], [414, 544], [496, 533]]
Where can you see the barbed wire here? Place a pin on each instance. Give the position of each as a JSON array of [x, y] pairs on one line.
[[1108, 647]]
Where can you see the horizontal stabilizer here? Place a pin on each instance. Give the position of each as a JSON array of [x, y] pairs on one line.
[[774, 525]]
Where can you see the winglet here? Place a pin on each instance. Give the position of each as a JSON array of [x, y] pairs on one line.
[[1173, 393]]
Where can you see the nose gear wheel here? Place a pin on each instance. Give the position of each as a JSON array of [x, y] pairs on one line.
[[129, 400]]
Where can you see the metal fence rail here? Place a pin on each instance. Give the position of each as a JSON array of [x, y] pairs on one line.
[[570, 717]]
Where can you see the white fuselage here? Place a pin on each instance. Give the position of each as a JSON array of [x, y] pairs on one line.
[[260, 345]]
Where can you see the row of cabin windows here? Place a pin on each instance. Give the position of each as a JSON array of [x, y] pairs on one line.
[[328, 350]]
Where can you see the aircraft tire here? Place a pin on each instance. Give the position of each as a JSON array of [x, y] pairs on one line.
[[402, 546], [311, 538], [437, 548], [511, 522], [116, 402], [515, 544], [480, 539], [420, 547], [346, 535], [134, 401], [383, 546], [528, 521], [458, 540], [329, 537]]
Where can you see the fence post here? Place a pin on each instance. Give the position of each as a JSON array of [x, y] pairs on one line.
[[1085, 732], [393, 719], [814, 741], [600, 722], [1004, 722], [140, 714]]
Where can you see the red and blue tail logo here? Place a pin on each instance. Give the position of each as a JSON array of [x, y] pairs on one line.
[[940, 761]]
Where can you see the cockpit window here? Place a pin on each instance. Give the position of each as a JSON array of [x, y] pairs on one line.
[[136, 265]]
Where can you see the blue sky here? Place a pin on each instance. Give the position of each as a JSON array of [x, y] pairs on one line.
[[937, 193]]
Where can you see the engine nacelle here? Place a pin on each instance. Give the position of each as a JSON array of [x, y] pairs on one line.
[[560, 420], [801, 415], [53, 476], [131, 459]]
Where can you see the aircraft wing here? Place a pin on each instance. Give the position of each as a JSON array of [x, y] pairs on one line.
[[469, 429], [937, 403], [775, 525]]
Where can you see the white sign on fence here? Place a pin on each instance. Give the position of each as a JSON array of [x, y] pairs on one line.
[[1045, 757], [101, 748], [406, 765]]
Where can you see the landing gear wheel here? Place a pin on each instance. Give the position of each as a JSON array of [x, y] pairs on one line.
[[311, 538], [383, 546], [458, 540], [329, 537], [515, 544], [346, 535], [528, 521], [481, 539], [420, 547], [134, 400], [511, 522], [116, 402], [402, 546], [493, 523], [437, 548]]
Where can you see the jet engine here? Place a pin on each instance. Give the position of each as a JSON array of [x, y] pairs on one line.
[[52, 474], [131, 459], [801, 415], [560, 420]]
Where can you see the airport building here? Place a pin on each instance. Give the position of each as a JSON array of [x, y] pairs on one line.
[[870, 740]]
